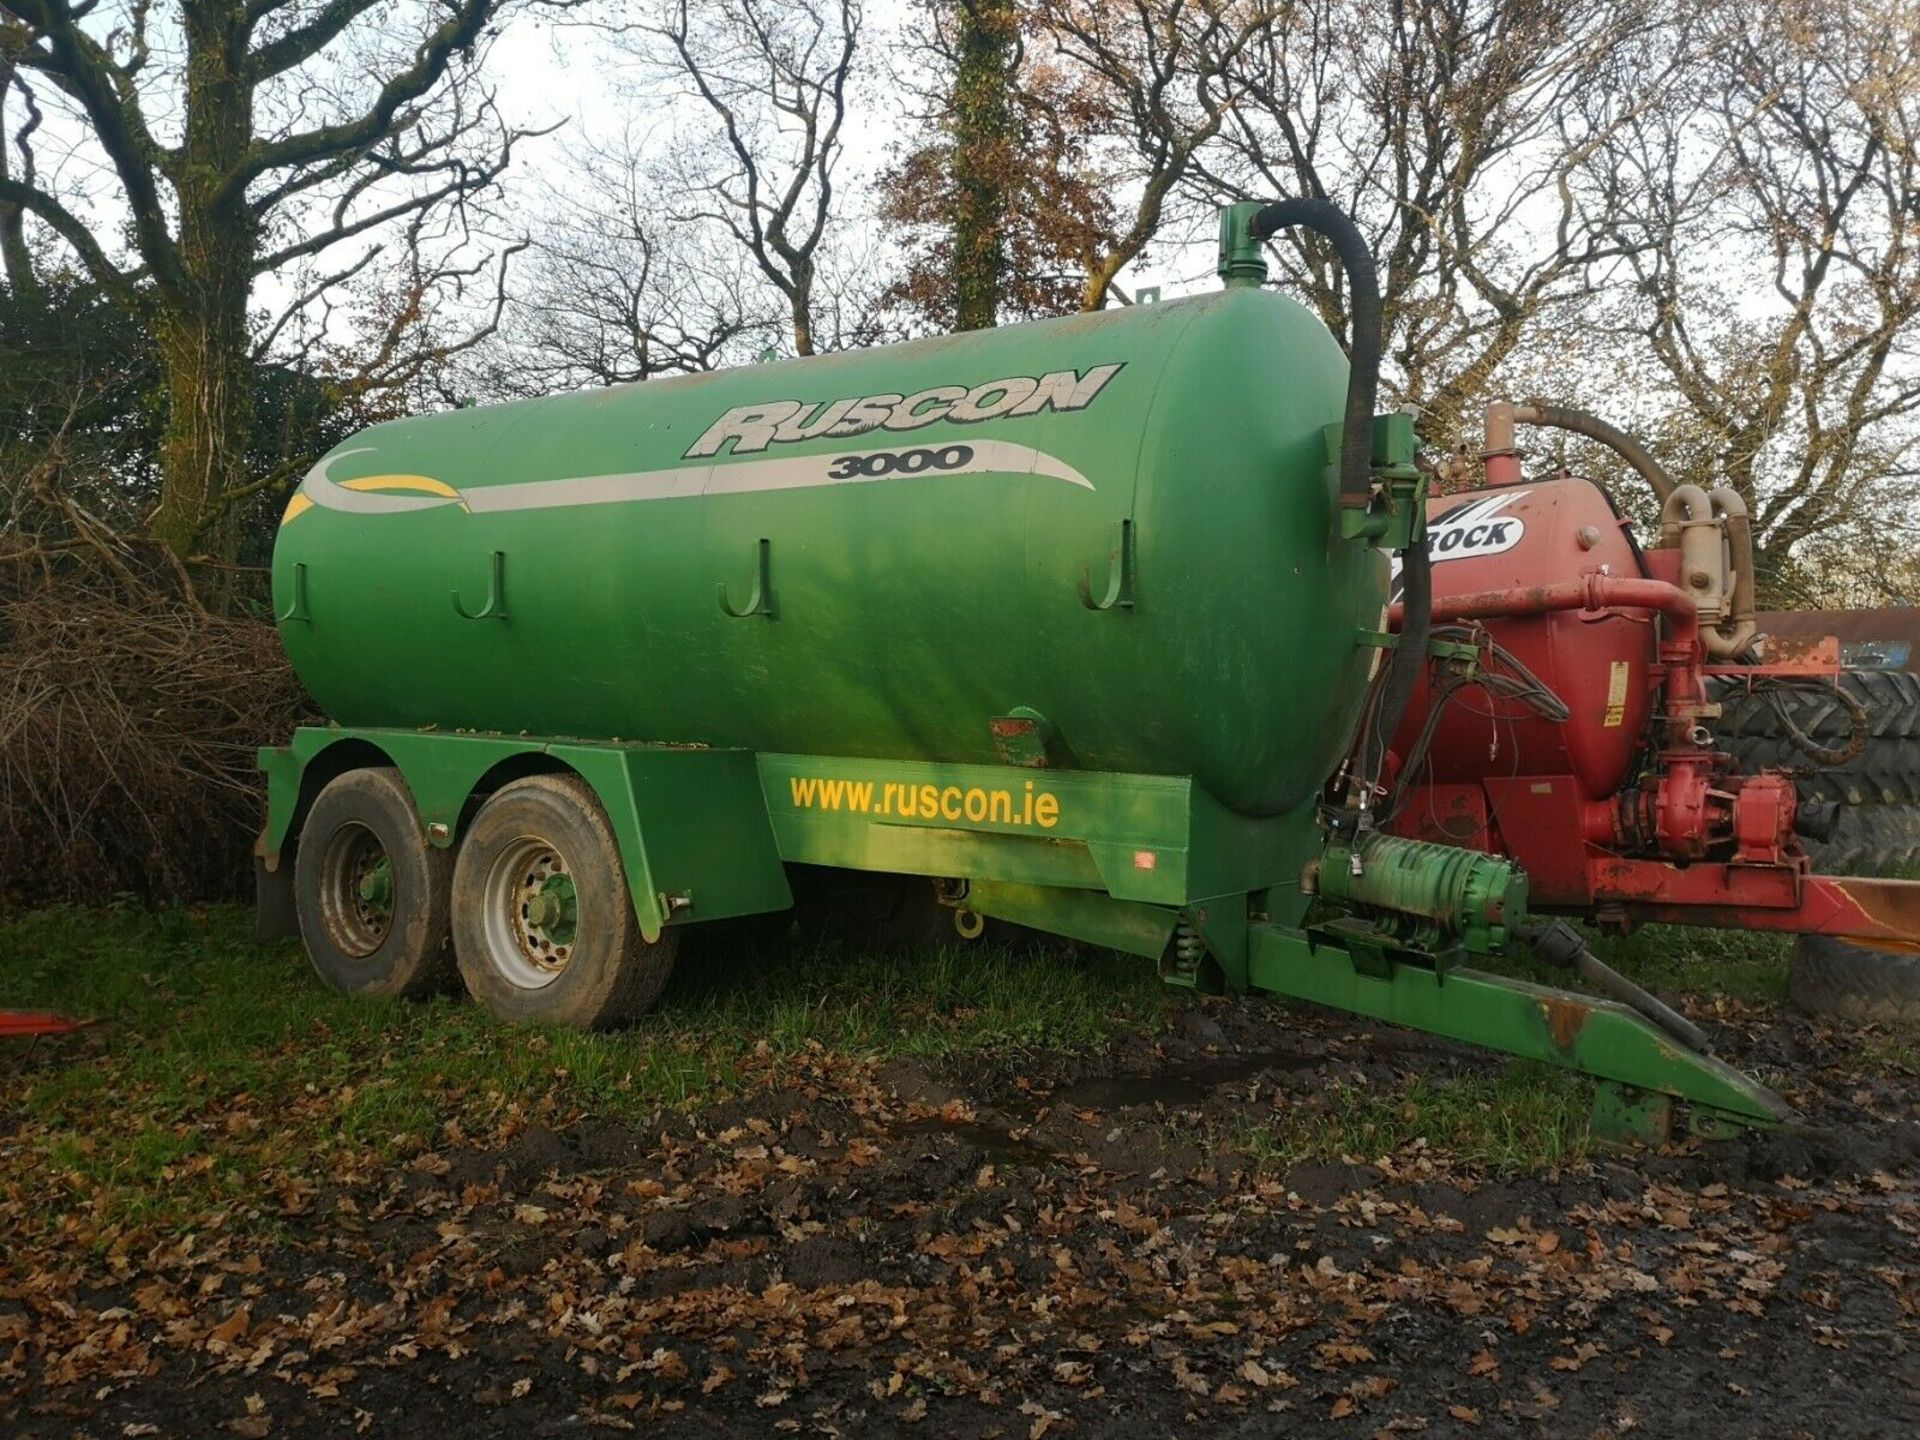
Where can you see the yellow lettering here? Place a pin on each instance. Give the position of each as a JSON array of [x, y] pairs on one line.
[[803, 787], [950, 802], [976, 812], [1000, 811], [1046, 810]]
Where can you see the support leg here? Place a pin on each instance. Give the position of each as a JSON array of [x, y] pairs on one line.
[[1601, 1038]]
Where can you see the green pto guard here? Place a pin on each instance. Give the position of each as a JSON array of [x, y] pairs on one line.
[[1425, 893]]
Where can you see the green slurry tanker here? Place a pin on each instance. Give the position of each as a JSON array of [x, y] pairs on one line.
[[1082, 620]]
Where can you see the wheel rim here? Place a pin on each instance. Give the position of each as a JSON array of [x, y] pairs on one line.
[[532, 913], [356, 890]]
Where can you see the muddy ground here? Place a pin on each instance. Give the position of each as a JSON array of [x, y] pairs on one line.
[[1066, 1246]]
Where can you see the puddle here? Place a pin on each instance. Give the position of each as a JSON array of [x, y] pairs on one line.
[[993, 1141], [1190, 1085]]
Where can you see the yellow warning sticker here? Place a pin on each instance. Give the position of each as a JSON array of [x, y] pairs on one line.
[[1616, 696]]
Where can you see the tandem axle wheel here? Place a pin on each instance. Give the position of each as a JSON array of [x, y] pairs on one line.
[[543, 926], [531, 910]]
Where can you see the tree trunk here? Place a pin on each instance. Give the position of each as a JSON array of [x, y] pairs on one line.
[[801, 305], [16, 261], [202, 345], [983, 140], [201, 310]]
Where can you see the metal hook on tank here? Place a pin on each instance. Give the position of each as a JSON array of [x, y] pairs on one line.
[[1119, 591], [760, 602], [296, 611], [496, 606]]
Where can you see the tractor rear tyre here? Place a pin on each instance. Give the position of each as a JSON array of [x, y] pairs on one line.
[[1871, 840], [1843, 981], [372, 896], [543, 924], [1891, 698], [1887, 772]]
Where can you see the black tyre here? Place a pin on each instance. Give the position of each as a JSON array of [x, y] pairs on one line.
[[372, 896], [1887, 772], [543, 925], [1842, 981], [1891, 697], [1871, 840]]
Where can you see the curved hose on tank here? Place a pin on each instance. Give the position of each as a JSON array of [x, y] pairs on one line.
[[1356, 456], [1363, 343], [1565, 417]]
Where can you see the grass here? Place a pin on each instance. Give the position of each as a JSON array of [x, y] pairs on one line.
[[1528, 1117], [224, 1067], [1746, 964], [223, 1063]]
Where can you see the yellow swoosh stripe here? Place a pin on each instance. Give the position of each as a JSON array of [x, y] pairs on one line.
[[401, 482], [300, 504]]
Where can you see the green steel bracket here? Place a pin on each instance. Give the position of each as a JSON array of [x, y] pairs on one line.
[[1625, 1115], [760, 602], [1021, 737], [1464, 657], [1397, 517], [1374, 949], [1088, 915], [1596, 1037]]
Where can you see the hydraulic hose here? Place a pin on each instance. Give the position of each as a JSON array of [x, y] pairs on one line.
[[1558, 943], [1356, 455]]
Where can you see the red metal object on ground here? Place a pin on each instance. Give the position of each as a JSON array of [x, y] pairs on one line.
[[1624, 810], [37, 1022]]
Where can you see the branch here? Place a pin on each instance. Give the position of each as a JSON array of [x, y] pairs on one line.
[[456, 35]]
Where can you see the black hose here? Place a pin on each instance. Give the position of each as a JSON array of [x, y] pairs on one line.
[[1409, 660], [1565, 417], [1363, 341], [1558, 943], [1356, 453]]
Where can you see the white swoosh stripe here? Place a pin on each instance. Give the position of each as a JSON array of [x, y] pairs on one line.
[[796, 472]]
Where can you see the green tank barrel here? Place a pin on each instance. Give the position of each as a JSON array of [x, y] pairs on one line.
[[1119, 527]]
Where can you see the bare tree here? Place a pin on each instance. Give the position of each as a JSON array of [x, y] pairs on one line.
[[1457, 133], [1149, 83], [247, 137], [769, 79], [617, 292], [1770, 225]]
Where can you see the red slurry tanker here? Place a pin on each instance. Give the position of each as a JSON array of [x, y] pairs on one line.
[[1582, 727]]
